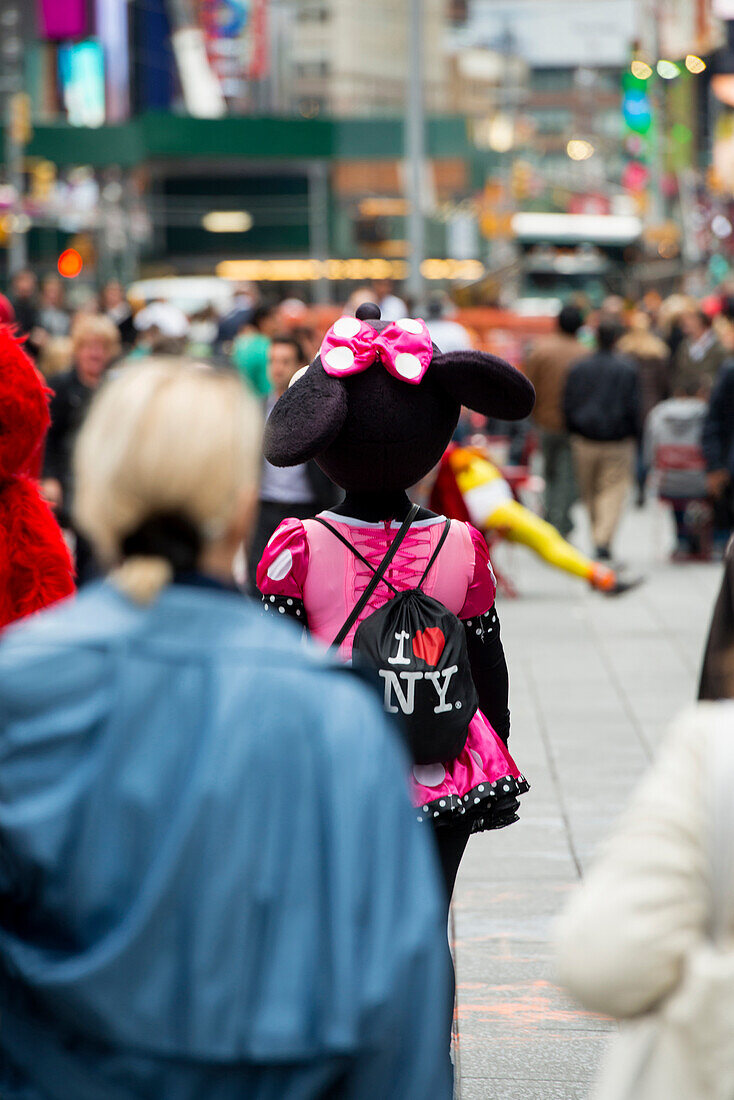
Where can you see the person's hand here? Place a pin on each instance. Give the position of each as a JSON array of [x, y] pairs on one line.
[[716, 482], [52, 492]]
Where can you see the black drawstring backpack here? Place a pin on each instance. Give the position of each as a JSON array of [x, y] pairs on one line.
[[418, 648]]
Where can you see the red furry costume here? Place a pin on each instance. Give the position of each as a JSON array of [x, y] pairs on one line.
[[35, 565]]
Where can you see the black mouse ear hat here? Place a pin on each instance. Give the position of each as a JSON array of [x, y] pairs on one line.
[[306, 419], [312, 412], [484, 383]]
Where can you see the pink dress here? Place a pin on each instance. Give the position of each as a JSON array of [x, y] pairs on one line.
[[305, 562]]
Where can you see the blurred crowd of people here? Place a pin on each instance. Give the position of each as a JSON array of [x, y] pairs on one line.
[[632, 396], [639, 396]]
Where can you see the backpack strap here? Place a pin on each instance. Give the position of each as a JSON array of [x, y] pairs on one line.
[[436, 552], [354, 550], [376, 577]]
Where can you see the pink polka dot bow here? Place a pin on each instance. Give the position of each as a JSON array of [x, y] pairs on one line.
[[351, 346]]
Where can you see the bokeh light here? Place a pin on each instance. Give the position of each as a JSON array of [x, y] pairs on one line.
[[695, 64], [579, 149], [721, 227], [668, 70], [641, 70], [70, 263]]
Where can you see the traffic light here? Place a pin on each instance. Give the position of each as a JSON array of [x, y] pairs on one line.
[[636, 106]]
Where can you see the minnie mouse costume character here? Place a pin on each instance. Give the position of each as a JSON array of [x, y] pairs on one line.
[[35, 565], [376, 409]]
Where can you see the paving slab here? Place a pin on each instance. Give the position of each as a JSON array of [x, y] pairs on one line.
[[595, 683]]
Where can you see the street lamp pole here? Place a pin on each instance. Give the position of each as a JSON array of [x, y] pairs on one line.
[[415, 153], [17, 120]]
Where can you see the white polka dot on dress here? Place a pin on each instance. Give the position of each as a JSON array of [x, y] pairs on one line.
[[429, 775], [280, 568]]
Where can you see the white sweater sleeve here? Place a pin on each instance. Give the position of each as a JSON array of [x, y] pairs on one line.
[[623, 938]]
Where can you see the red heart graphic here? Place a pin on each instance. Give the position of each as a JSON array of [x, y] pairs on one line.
[[428, 645]]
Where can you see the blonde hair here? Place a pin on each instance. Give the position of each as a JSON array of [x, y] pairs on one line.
[[165, 436], [95, 326], [56, 356]]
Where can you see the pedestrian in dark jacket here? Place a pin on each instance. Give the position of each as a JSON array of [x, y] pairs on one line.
[[602, 408], [96, 343], [718, 448]]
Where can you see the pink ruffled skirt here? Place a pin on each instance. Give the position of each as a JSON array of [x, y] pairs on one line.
[[481, 786]]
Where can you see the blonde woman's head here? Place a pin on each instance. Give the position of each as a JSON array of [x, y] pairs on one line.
[[167, 465], [95, 341]]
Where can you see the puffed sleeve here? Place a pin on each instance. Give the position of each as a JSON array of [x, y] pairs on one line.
[[283, 568], [483, 584]]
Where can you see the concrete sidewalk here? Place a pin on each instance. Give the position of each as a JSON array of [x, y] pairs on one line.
[[595, 682]]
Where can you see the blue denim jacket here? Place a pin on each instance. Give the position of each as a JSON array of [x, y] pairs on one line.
[[211, 882]]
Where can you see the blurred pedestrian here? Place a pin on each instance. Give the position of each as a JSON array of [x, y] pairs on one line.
[[202, 337], [23, 295], [116, 306], [673, 450], [700, 354], [670, 320], [251, 347], [392, 308], [237, 317], [602, 409], [647, 937], [53, 317], [547, 366], [162, 328], [651, 357], [299, 491], [718, 448], [446, 333], [95, 344], [211, 881]]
